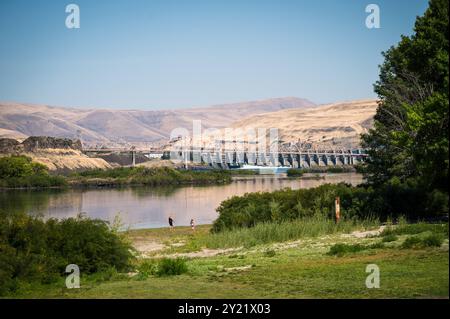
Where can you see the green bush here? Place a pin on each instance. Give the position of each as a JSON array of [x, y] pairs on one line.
[[294, 172], [356, 203], [146, 269], [33, 250], [171, 267], [20, 171], [270, 253], [412, 242], [432, 240], [389, 238], [342, 249]]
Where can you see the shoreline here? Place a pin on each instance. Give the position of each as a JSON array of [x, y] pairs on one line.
[[112, 184]]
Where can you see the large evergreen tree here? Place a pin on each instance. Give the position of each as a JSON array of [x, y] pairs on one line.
[[409, 142]]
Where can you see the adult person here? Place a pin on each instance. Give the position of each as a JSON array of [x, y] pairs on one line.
[[171, 222]]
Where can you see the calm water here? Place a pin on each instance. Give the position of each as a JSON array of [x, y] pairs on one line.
[[149, 207]]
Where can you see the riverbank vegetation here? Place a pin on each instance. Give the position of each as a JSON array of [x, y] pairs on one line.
[[357, 202], [34, 251], [408, 145], [283, 244], [282, 231], [329, 265], [148, 176], [298, 172], [22, 172]]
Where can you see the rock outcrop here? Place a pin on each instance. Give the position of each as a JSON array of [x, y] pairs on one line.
[[9, 146], [60, 155], [34, 143]]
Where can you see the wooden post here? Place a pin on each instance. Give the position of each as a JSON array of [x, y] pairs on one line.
[[337, 208]]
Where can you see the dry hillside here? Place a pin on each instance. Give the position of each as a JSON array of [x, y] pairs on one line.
[[59, 155], [110, 127], [337, 125]]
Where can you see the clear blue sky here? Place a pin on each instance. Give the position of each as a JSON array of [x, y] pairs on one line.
[[153, 54]]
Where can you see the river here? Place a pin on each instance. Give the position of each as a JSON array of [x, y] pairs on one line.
[[150, 207]]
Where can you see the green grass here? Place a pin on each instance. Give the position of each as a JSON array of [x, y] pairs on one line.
[[295, 269], [291, 273], [171, 267], [271, 232], [417, 228], [263, 233]]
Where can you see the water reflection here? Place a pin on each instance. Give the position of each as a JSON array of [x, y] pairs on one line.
[[147, 207]]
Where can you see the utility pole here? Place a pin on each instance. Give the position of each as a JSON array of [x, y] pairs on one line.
[[337, 206], [133, 154]]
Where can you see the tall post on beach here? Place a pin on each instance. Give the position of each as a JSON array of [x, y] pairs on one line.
[[337, 206]]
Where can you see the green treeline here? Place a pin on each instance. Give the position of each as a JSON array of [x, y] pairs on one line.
[[149, 176], [408, 147], [22, 172], [358, 203], [409, 142]]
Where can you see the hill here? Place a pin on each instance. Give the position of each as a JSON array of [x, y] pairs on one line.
[[114, 127], [336, 125]]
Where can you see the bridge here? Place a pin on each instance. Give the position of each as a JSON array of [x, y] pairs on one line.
[[226, 159]]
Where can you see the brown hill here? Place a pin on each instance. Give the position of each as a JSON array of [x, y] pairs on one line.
[[338, 124], [113, 127], [333, 125]]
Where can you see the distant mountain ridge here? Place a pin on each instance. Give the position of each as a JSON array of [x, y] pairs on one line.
[[109, 127], [337, 125]]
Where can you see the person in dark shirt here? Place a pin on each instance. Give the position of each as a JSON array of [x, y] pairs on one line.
[[171, 222], [192, 224]]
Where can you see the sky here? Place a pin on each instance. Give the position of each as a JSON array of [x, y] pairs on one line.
[[152, 54]]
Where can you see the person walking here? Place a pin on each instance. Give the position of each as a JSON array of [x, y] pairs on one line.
[[171, 222], [192, 225]]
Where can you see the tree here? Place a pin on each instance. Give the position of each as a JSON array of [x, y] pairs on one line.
[[409, 141]]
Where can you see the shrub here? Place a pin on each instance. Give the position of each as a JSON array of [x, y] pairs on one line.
[[342, 249], [389, 238], [270, 253], [171, 267], [34, 250], [433, 240], [20, 171], [356, 203], [146, 269], [412, 242], [294, 172]]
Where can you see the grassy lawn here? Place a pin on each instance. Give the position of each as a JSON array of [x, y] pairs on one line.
[[293, 269]]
